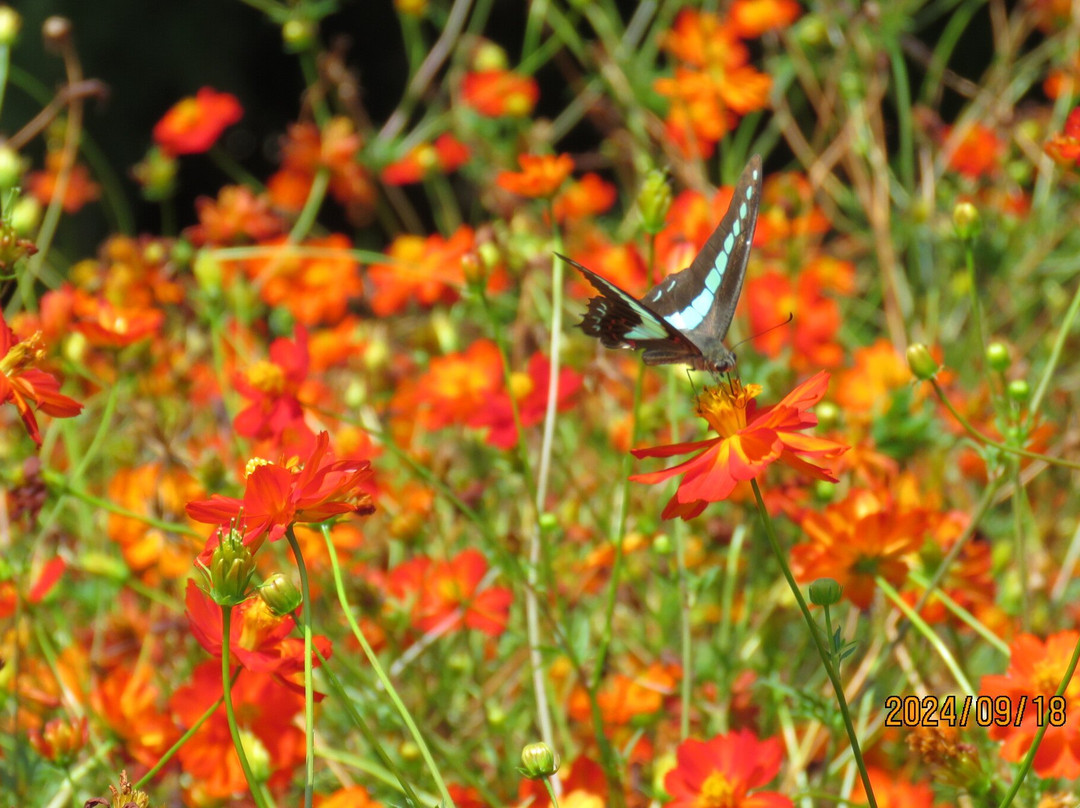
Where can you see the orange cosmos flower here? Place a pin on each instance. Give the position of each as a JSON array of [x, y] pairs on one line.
[[266, 712], [722, 771], [314, 280], [306, 150], [866, 389], [22, 383], [529, 391], [237, 216], [426, 270], [752, 18], [714, 86], [748, 441], [151, 552], [457, 386], [445, 595], [108, 326], [128, 702], [500, 92], [352, 797], [80, 188], [1036, 668], [978, 154], [893, 791], [868, 533], [623, 698], [1065, 148], [540, 176], [276, 495], [445, 155], [584, 198], [193, 125]]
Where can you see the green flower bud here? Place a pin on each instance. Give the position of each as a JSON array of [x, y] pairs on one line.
[[825, 592], [654, 201], [409, 751], [26, 216], [920, 361], [495, 714], [10, 23], [828, 414], [156, 175], [11, 167], [231, 568], [548, 521], [997, 356], [280, 595], [298, 35], [662, 544], [1019, 391], [538, 761], [965, 217]]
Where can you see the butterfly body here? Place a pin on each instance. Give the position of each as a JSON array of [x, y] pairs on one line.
[[685, 317]]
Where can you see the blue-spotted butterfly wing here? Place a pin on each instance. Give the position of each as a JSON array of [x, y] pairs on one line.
[[700, 300], [686, 317]]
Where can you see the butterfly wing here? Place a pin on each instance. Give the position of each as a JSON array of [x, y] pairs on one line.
[[700, 300], [620, 320]]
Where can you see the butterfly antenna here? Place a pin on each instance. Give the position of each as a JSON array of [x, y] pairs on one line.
[[752, 337]]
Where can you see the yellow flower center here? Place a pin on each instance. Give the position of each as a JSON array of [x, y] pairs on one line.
[[426, 157], [22, 355], [253, 464], [724, 406], [521, 384], [1047, 676], [266, 377], [717, 792], [188, 113]]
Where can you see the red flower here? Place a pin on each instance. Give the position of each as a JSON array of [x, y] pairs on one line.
[[749, 440], [540, 176], [721, 772], [21, 383], [277, 495], [80, 188], [446, 154], [499, 92], [1036, 668], [1065, 148], [258, 640], [193, 125], [530, 391], [445, 595]]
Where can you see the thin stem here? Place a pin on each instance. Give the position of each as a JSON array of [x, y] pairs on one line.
[[815, 634], [309, 692], [234, 730]]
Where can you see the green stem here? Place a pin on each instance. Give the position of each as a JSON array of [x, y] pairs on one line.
[[234, 730], [172, 750], [815, 635], [384, 680], [306, 220], [309, 693]]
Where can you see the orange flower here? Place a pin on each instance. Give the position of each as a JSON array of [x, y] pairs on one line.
[[1065, 148], [80, 188], [540, 176], [752, 18], [237, 216], [305, 150], [500, 92], [314, 280], [893, 791], [621, 264], [193, 125], [456, 387], [623, 698], [713, 87], [351, 797], [868, 533], [1036, 668], [425, 270], [128, 702], [749, 441], [446, 595], [584, 198], [266, 712], [22, 384], [978, 154], [106, 325], [151, 552], [445, 155], [723, 770], [866, 389]]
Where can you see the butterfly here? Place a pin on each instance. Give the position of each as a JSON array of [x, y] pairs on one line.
[[685, 317]]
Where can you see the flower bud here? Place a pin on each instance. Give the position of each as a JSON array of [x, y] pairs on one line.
[[60, 740], [231, 568], [1019, 391], [654, 201], [56, 31], [10, 23], [825, 592], [11, 167], [813, 31], [26, 216], [298, 35], [965, 217], [156, 175], [920, 361], [997, 356], [538, 761], [280, 595]]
